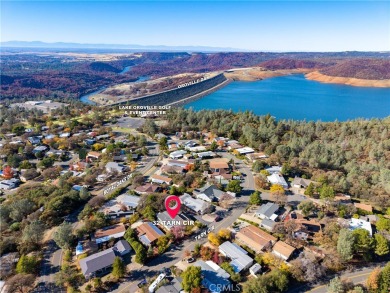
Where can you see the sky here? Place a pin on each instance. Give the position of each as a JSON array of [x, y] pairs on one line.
[[254, 25]]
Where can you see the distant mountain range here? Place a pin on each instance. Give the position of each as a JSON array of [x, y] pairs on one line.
[[159, 48]]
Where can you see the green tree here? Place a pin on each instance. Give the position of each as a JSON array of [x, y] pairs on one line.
[[163, 141], [364, 244], [192, 278], [27, 265], [84, 194], [33, 233], [255, 198], [82, 154], [118, 268], [213, 146], [335, 286], [234, 186], [345, 244], [46, 162], [63, 235], [310, 189], [384, 284], [307, 207], [18, 129], [383, 224], [162, 243], [327, 192], [381, 245]]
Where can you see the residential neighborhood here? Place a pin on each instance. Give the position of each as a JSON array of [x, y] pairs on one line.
[[89, 200]]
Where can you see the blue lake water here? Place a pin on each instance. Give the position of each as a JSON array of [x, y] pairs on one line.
[[294, 97]]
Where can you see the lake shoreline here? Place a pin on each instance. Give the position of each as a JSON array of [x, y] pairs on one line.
[[317, 76]]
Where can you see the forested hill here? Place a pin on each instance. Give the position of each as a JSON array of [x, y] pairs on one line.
[[353, 156]]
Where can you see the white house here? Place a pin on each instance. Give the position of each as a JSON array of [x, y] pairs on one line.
[[177, 154], [239, 257], [245, 150], [277, 179], [358, 223]]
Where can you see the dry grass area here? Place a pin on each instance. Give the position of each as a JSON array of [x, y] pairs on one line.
[[258, 73], [347, 80]]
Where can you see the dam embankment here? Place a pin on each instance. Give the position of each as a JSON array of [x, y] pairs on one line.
[[182, 95]]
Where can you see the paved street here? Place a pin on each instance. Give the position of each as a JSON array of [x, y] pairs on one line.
[[172, 257]]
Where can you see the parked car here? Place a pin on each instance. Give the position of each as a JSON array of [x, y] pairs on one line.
[[191, 260]]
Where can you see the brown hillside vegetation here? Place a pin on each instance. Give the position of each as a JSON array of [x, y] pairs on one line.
[[360, 68]]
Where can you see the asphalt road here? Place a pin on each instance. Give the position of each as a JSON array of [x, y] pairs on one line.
[[52, 254], [172, 257]]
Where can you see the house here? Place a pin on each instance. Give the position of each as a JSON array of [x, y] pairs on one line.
[[34, 140], [94, 155], [173, 287], [219, 167], [358, 223], [177, 154], [268, 224], [274, 169], [195, 205], [255, 238], [239, 257], [370, 218], [89, 141], [364, 207], [98, 263], [283, 250], [79, 166], [277, 179], [107, 233], [148, 233], [211, 193], [64, 135], [256, 156], [119, 158], [9, 184], [190, 144], [168, 223], [234, 146], [214, 278], [176, 163], [205, 155], [311, 227], [130, 201], [196, 149], [122, 247], [245, 150], [255, 269], [299, 182], [267, 211], [161, 179], [122, 206], [115, 167], [88, 246], [148, 188], [39, 149], [103, 136], [172, 169]]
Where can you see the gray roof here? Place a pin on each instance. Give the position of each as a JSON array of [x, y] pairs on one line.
[[97, 261], [128, 200], [210, 191], [194, 204], [173, 287], [268, 224], [164, 216], [301, 181], [238, 255], [267, 209], [212, 275], [122, 245]]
